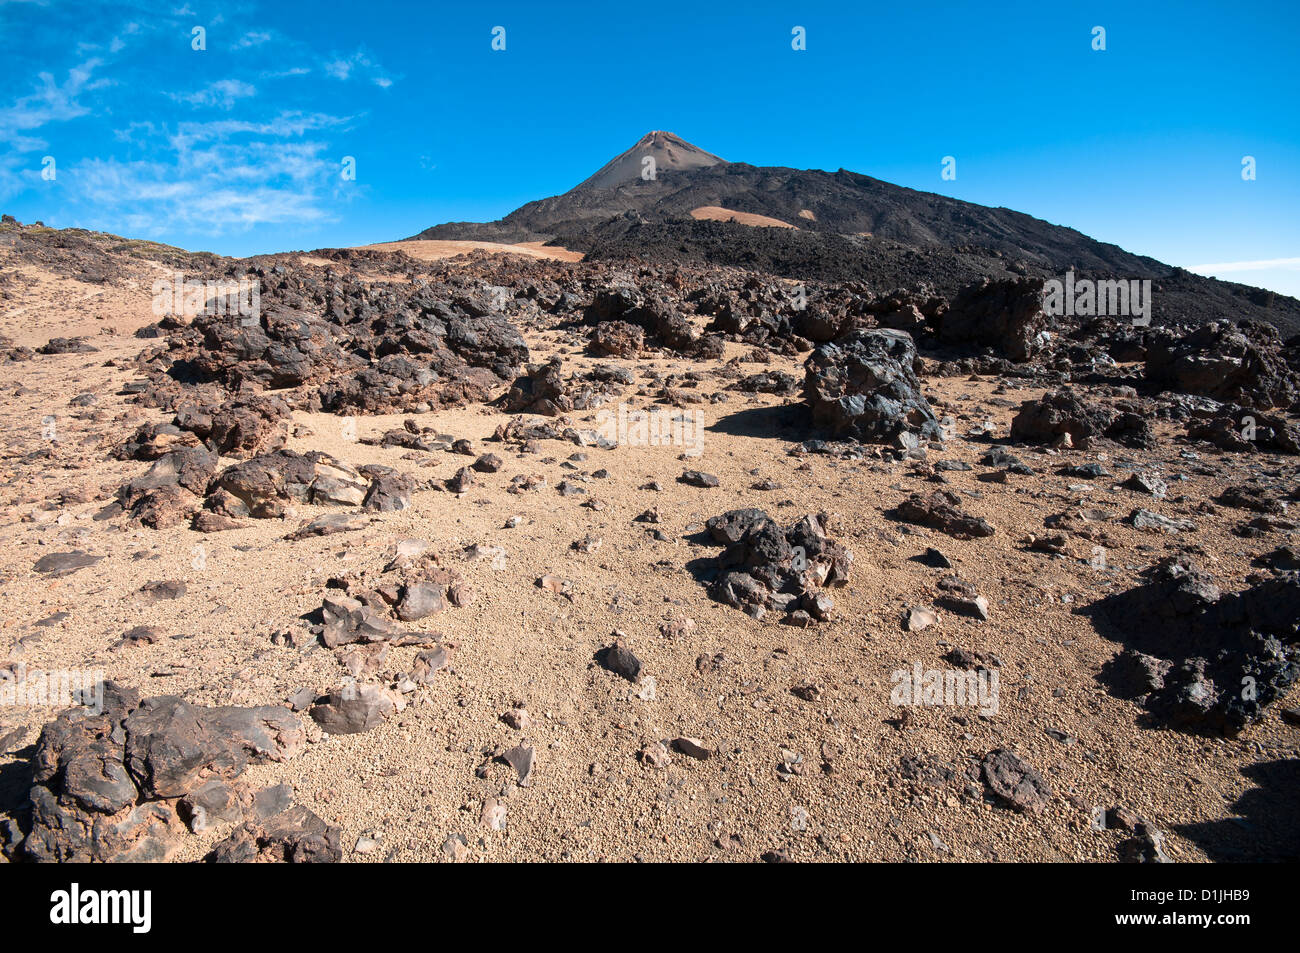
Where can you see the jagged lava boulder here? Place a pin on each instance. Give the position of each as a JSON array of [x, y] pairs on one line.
[[864, 386], [1007, 315], [1242, 363]]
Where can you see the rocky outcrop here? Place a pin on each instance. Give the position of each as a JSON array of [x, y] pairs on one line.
[[349, 346], [1204, 660], [545, 390], [1242, 363], [1064, 413], [109, 783], [1006, 315], [864, 386]]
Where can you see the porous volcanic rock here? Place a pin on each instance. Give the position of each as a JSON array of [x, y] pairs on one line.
[[765, 567], [1045, 419], [1242, 363], [106, 780], [1203, 660], [864, 386], [1006, 314]]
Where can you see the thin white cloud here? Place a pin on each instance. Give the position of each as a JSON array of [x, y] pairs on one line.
[[223, 94], [154, 173], [340, 69], [1287, 264], [21, 122], [285, 125], [215, 177], [359, 63], [151, 197], [51, 102]]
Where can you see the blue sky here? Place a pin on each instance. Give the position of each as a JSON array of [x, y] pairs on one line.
[[238, 148]]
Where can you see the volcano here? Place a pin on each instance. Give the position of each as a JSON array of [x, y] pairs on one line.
[[657, 151], [691, 204]]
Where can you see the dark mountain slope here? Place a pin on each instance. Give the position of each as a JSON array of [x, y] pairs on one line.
[[849, 227]]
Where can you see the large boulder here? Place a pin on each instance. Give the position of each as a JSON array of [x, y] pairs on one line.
[[239, 428], [1202, 660], [661, 322], [1006, 315], [263, 485], [864, 386], [108, 781], [1064, 412], [617, 339], [1241, 363], [1241, 429], [764, 567]]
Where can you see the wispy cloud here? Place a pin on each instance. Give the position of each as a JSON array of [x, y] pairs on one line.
[[283, 73], [223, 94], [51, 102], [21, 123], [1285, 264], [359, 64], [218, 176], [161, 148]]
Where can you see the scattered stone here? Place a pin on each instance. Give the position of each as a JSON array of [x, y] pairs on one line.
[[12, 740], [353, 709], [698, 478], [350, 620], [976, 607], [692, 748], [518, 718], [429, 663], [556, 584], [420, 599], [326, 525], [55, 565], [942, 510], [618, 659], [655, 755], [920, 618], [1087, 471], [1145, 519], [160, 590], [521, 758], [588, 544], [1147, 483], [934, 559], [1015, 783]]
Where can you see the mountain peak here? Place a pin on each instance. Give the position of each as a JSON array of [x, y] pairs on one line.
[[669, 152]]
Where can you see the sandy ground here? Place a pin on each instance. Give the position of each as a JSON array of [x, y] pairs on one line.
[[716, 213], [434, 250], [53, 306], [412, 783]]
